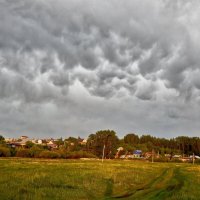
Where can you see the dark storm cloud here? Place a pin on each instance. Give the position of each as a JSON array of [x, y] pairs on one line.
[[55, 52], [98, 34]]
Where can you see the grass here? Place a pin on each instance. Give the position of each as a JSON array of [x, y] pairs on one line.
[[40, 179]]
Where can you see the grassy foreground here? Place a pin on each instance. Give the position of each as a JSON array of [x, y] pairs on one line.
[[84, 180]]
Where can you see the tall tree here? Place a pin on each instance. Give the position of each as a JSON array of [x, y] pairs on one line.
[[103, 140], [2, 139], [131, 139]]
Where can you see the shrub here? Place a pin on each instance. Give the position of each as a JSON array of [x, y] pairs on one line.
[[88, 155], [35, 151], [76, 155], [23, 153], [197, 161], [4, 152], [49, 154], [161, 159], [176, 160], [29, 144], [13, 152]]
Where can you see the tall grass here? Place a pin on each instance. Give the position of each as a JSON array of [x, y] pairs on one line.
[[40, 179]]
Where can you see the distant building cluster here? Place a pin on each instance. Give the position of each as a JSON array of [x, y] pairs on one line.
[[105, 144], [51, 143], [138, 154]]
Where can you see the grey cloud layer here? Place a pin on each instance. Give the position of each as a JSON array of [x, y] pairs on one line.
[[118, 41], [115, 49]]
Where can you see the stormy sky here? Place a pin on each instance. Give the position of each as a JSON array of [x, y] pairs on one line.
[[72, 67]]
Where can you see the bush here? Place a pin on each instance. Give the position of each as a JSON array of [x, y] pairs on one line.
[[35, 151], [197, 161], [13, 152], [176, 160], [4, 152], [161, 159], [88, 155], [23, 153], [49, 154], [29, 144], [76, 155]]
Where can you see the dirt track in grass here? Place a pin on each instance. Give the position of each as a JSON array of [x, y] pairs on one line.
[[39, 179]]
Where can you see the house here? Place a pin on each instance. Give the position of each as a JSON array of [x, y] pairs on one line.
[[9, 139], [119, 151], [150, 154], [24, 137], [177, 156], [82, 141], [39, 141], [16, 144], [130, 156], [137, 154], [52, 145], [195, 157], [19, 143], [122, 156], [185, 159]]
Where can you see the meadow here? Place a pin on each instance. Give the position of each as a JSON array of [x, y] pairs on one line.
[[40, 179]]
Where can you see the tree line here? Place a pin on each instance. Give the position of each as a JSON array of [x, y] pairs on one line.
[[105, 142], [183, 145]]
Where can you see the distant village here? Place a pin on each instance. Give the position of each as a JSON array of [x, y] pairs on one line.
[[51, 143], [59, 148]]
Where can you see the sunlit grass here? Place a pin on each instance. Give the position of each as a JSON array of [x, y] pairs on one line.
[[80, 179]]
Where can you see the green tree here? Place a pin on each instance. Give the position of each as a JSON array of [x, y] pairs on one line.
[[29, 144], [23, 153], [103, 139], [131, 139], [4, 151], [59, 142], [2, 139], [35, 150], [72, 144]]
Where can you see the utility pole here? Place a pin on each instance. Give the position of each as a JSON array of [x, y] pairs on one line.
[[152, 155], [104, 146], [193, 159]]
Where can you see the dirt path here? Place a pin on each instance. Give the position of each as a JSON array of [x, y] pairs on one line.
[[162, 187]]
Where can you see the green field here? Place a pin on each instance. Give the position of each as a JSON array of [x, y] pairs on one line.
[[83, 179]]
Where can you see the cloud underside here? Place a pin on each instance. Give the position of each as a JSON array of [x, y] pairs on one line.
[[61, 57]]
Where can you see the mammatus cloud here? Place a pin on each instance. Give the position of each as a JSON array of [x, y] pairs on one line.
[[71, 67]]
